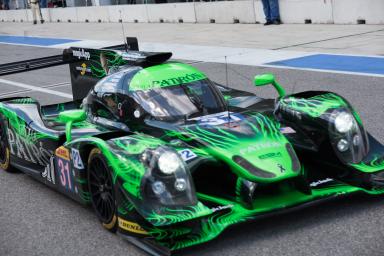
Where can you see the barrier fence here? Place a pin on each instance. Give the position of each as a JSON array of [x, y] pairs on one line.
[[247, 11]]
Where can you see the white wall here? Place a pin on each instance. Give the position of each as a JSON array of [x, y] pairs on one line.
[[348, 11], [63, 14], [171, 12], [129, 13], [225, 12], [92, 14], [247, 11], [296, 11]]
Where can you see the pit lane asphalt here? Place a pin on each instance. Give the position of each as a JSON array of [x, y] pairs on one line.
[[35, 220]]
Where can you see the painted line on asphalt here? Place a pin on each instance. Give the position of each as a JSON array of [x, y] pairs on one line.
[[7, 94], [35, 88], [33, 40], [342, 63], [322, 70]]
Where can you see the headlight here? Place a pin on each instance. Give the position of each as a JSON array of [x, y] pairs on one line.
[[168, 162], [344, 122], [342, 145], [167, 180], [347, 135]]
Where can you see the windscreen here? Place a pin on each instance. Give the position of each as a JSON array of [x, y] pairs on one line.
[[181, 101]]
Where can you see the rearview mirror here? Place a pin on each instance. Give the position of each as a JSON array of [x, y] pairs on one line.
[[265, 79], [69, 117], [72, 116]]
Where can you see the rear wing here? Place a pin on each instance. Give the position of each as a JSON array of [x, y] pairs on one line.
[[87, 65]]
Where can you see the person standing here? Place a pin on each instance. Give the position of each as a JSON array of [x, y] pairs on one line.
[[43, 4], [271, 11], [16, 4], [6, 4], [36, 11]]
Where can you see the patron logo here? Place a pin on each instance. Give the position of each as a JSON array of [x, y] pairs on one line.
[[178, 80], [81, 54], [259, 146]]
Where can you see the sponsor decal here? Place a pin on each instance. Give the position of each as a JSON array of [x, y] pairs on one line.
[[63, 169], [187, 154], [319, 182], [270, 155], [28, 149], [291, 112], [177, 80], [218, 118], [282, 169], [49, 171], [133, 56], [131, 227], [259, 146], [76, 159], [83, 69], [287, 130], [219, 208], [62, 152], [81, 54]]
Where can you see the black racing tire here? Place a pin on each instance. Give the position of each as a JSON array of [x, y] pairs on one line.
[[101, 190], [5, 157]]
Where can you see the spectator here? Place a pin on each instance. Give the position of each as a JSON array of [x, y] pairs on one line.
[[43, 3], [6, 5], [16, 4], [35, 8], [271, 11]]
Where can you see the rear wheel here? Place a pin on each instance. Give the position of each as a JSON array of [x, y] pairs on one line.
[[101, 189], [4, 148]]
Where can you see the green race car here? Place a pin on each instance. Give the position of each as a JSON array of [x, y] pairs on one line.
[[169, 159]]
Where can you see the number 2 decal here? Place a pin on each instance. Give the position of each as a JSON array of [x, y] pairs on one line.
[[187, 154]]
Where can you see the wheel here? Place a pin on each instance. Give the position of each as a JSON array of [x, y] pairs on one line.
[[4, 148], [101, 190]]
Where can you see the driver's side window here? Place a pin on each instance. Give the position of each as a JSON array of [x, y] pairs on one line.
[[102, 111]]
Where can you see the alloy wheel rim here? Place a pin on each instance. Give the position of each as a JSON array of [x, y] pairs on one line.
[[101, 190]]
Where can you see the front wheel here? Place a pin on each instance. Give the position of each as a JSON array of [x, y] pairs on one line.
[[101, 190]]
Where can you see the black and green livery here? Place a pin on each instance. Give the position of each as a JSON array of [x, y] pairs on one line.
[[170, 159]]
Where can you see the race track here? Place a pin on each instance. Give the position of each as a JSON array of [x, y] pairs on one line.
[[35, 220]]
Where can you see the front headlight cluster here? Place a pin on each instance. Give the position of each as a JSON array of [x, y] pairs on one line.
[[347, 136], [169, 162], [167, 182], [344, 122]]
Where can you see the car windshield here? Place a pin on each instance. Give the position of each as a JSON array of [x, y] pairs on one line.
[[181, 101]]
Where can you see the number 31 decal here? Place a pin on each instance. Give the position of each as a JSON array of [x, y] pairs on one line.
[[65, 174]]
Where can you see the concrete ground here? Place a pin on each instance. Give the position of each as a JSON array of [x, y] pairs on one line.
[[34, 220], [350, 39]]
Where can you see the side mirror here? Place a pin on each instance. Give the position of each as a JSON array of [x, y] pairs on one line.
[[265, 79], [69, 117]]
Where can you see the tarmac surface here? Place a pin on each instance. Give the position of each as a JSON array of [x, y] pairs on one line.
[[352, 39], [35, 220]]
